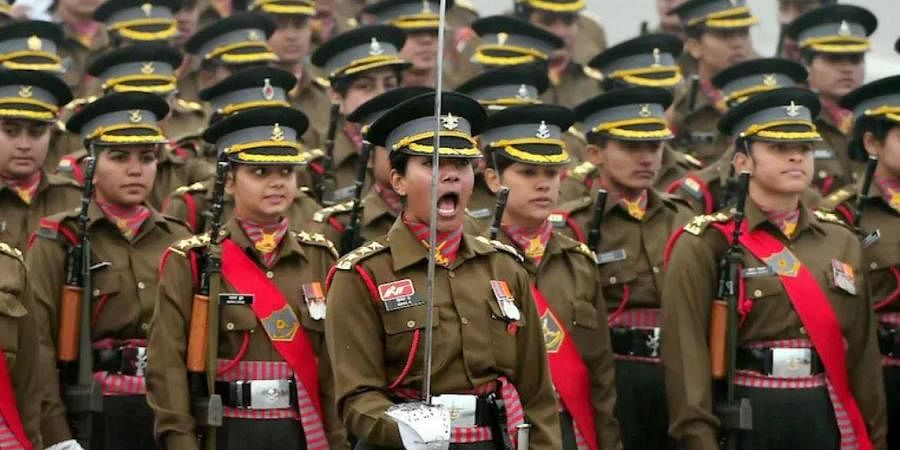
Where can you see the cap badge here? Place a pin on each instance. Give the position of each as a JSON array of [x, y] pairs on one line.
[[34, 43], [25, 91], [147, 68], [268, 91], [734, 3], [147, 8], [770, 80], [793, 110], [502, 37], [426, 7], [277, 133], [656, 58], [645, 110], [375, 48], [543, 131], [450, 122], [523, 93], [254, 35], [135, 116], [844, 30]]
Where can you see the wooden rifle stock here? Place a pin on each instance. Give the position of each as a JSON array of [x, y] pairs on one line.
[[718, 327], [69, 324], [196, 348]]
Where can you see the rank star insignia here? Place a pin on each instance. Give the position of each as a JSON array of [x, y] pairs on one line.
[[450, 122], [277, 133], [523, 94], [34, 43], [543, 131], [844, 29], [656, 58], [135, 116], [769, 80], [26, 91], [553, 334], [268, 91], [793, 110], [147, 68], [147, 8], [645, 110], [784, 263], [375, 48], [426, 7]]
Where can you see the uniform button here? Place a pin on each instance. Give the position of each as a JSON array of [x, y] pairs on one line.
[[612, 280], [803, 330], [464, 321], [411, 324], [270, 275], [655, 269], [145, 326], [874, 265], [757, 293], [141, 285], [451, 274], [823, 174], [96, 292], [229, 326]]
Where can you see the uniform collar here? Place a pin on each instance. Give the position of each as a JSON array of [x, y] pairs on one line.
[[555, 246], [756, 217], [654, 203], [288, 246], [96, 215], [406, 250], [375, 208]]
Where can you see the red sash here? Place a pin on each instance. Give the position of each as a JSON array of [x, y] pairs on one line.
[[242, 273], [8, 407], [815, 311], [570, 375]]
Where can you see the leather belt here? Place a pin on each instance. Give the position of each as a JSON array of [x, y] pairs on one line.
[[642, 342], [780, 362], [889, 341], [122, 361], [258, 394]]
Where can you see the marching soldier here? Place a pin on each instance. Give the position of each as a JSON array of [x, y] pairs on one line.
[[360, 64], [147, 68], [788, 11], [571, 21], [648, 60], [136, 21], [806, 355], [718, 36], [31, 102], [489, 341], [833, 41], [526, 153], [875, 209], [266, 349], [127, 238], [626, 129], [20, 407], [83, 39]]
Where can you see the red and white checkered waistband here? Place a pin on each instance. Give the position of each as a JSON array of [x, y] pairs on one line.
[[889, 320], [113, 384], [8, 440], [636, 318]]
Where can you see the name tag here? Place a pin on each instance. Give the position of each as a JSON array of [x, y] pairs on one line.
[[871, 238], [757, 272], [397, 295], [480, 213], [823, 153], [344, 193], [699, 137], [612, 256], [231, 299]]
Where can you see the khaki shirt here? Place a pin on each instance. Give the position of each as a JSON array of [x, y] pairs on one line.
[[190, 204], [302, 258], [697, 129], [832, 158], [591, 38], [19, 342], [77, 57], [17, 220], [128, 283], [631, 252], [881, 255], [310, 97], [187, 118], [569, 280], [690, 289], [473, 344], [573, 87]]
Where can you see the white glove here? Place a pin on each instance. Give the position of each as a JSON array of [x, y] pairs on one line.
[[71, 444], [422, 427]]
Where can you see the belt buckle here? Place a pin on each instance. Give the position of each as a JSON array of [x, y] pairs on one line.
[[270, 394], [653, 342], [136, 359], [462, 408], [791, 362]]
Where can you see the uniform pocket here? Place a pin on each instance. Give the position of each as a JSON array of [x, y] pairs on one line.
[[585, 315], [105, 282], [614, 274], [399, 326], [761, 288], [11, 311], [503, 334], [237, 318]]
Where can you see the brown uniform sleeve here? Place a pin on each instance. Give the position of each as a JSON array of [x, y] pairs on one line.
[[354, 333], [46, 262], [167, 388], [601, 367], [687, 296], [531, 375]]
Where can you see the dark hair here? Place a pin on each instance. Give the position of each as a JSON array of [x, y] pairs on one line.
[[399, 161], [498, 161], [695, 31], [597, 139], [342, 84], [878, 126]]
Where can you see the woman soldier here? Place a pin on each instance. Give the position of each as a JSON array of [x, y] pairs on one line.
[[806, 355], [526, 154], [127, 237], [877, 132], [270, 362], [489, 348]]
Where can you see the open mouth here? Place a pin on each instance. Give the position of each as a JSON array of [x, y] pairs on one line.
[[448, 204]]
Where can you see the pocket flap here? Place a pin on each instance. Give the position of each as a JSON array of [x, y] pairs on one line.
[[11, 306], [237, 318], [406, 319], [585, 315]]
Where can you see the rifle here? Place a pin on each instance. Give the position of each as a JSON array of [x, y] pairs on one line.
[[692, 93], [645, 28], [869, 176], [597, 220], [350, 239], [735, 415], [206, 405], [83, 397], [500, 206], [328, 184]]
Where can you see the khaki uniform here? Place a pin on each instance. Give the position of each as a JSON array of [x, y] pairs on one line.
[[302, 258], [172, 172], [572, 87], [190, 203], [474, 344], [346, 158], [688, 294], [18, 340], [17, 220], [124, 292], [569, 279], [310, 97], [834, 169], [76, 59], [186, 118], [61, 144], [591, 38], [697, 130]]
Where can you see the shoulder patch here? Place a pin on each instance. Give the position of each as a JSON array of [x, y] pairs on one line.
[[323, 214], [836, 198], [185, 245], [317, 240], [573, 206], [582, 171], [557, 219], [502, 247], [11, 251], [698, 224], [828, 217], [196, 187], [356, 256]]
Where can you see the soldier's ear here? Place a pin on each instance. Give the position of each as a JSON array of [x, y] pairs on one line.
[[692, 45], [493, 179], [398, 182], [229, 182], [873, 146], [742, 161], [594, 154]]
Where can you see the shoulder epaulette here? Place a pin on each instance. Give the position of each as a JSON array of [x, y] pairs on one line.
[[578, 204], [693, 161], [323, 214], [318, 240], [9, 250], [196, 187], [577, 133], [699, 223], [582, 171], [592, 73], [829, 217], [79, 102], [836, 198], [575, 245], [322, 82], [360, 253], [467, 5], [189, 105], [502, 247], [185, 245], [314, 154]]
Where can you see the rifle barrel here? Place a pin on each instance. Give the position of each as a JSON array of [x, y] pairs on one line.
[[499, 208], [871, 165], [597, 219]]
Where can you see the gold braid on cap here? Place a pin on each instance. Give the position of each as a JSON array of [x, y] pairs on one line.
[[103, 134], [423, 20], [120, 84], [741, 95], [575, 6], [275, 8], [237, 107], [223, 52], [837, 44], [528, 55], [297, 158], [616, 128], [727, 18], [636, 76], [51, 108], [411, 143], [55, 64], [763, 130], [125, 29], [367, 63], [887, 111], [509, 146]]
